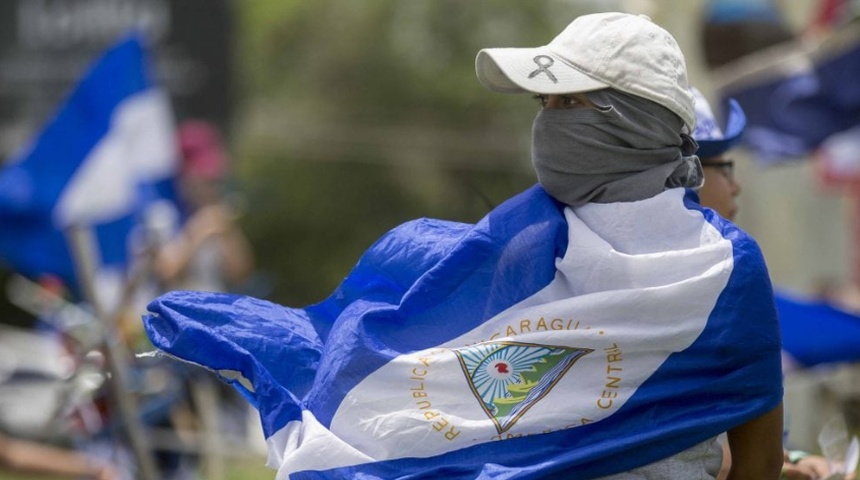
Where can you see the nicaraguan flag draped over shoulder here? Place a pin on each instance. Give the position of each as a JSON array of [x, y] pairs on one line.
[[539, 341], [108, 152]]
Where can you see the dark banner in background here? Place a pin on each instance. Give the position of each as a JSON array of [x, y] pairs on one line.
[[46, 45]]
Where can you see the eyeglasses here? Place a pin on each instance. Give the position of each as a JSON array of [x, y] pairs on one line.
[[726, 167]]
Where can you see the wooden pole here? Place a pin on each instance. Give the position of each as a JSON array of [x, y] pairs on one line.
[[83, 249]]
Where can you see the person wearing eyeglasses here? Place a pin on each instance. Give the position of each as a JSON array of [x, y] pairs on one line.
[[718, 193], [720, 188]]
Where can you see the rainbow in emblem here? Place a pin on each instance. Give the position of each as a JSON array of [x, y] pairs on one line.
[[508, 378]]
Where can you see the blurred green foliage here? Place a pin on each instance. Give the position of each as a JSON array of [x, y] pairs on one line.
[[358, 115]]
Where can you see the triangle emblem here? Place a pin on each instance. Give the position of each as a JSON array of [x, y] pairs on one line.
[[508, 378]]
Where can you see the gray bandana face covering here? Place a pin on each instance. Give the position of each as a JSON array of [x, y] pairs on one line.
[[629, 149]]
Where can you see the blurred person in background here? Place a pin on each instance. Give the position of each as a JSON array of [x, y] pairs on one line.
[[718, 193], [210, 253], [720, 188]]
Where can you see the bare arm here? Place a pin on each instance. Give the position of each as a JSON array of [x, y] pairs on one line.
[[238, 257], [211, 221], [756, 447], [29, 457]]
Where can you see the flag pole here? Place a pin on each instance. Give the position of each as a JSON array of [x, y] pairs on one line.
[[83, 251]]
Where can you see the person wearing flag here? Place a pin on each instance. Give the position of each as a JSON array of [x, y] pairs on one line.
[[601, 324], [635, 118], [719, 192]]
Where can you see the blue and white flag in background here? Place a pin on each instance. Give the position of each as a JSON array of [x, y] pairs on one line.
[[815, 332], [538, 341], [108, 152], [796, 94]]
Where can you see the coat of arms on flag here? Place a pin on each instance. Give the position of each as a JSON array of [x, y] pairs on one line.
[[508, 378]]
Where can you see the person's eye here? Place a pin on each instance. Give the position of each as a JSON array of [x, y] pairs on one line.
[[568, 101]]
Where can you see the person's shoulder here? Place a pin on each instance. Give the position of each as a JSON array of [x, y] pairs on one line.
[[727, 228], [746, 251], [745, 245]]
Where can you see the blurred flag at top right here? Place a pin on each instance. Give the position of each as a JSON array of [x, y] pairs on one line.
[[797, 91]]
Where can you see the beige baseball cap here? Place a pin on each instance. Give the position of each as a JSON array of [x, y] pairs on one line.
[[626, 52]]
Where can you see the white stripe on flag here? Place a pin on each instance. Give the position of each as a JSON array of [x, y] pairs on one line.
[[138, 147], [289, 446]]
